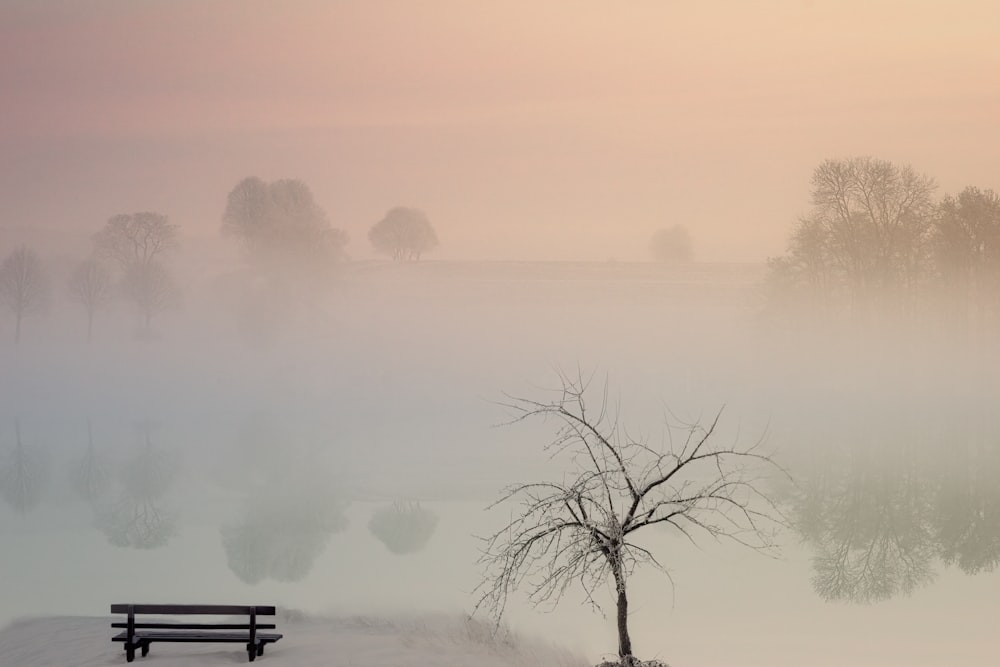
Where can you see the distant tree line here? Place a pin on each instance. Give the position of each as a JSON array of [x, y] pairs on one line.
[[876, 244], [126, 261], [284, 233]]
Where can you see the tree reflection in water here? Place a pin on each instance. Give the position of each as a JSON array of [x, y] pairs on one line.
[[136, 516], [967, 512], [403, 528], [883, 514], [90, 474], [22, 475], [281, 531], [291, 502]]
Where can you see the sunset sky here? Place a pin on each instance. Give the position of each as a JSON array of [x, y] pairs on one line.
[[525, 129]]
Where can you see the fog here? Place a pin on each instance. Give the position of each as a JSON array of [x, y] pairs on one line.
[[268, 406], [241, 464]]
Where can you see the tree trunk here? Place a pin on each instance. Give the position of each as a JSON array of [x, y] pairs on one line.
[[624, 641]]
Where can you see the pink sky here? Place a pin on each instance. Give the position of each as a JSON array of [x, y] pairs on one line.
[[541, 130]]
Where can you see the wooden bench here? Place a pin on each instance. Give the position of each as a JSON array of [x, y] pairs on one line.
[[141, 635]]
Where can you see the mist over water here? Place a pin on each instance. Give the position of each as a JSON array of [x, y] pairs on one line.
[[219, 461]]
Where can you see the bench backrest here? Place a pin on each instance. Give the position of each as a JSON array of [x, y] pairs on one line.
[[188, 609]]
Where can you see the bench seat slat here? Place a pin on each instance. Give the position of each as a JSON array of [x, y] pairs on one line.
[[195, 626], [237, 637]]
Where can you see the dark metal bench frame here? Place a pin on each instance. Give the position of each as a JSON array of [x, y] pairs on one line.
[[138, 635]]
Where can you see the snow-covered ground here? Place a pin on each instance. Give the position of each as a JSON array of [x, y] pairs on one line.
[[308, 642]]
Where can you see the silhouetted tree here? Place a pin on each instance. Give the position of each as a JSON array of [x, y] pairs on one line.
[[130, 239], [22, 475], [966, 250], [403, 527], [672, 245], [281, 226], [876, 215], [23, 285], [866, 234], [404, 234], [149, 286], [90, 286], [583, 528]]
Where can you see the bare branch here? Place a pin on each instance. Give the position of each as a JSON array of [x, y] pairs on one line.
[[575, 532]]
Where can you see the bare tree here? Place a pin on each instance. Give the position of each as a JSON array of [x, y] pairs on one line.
[[90, 286], [151, 289], [866, 235], [876, 215], [136, 238], [584, 528], [404, 234], [966, 250], [23, 285]]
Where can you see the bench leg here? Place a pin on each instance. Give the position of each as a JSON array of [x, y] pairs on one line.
[[145, 648], [251, 652], [260, 648], [129, 653]]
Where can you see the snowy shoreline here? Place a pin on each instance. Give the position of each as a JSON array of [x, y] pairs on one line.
[[361, 641]]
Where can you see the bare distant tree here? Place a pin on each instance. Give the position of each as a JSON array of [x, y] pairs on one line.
[[135, 238], [281, 226], [672, 245], [877, 215], [90, 286], [150, 287], [404, 234], [966, 251], [23, 285], [584, 528], [865, 247]]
